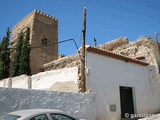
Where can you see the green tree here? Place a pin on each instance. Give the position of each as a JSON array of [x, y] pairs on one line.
[[25, 55], [17, 55], [5, 56]]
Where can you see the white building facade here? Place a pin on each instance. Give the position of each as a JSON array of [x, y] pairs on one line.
[[124, 87]]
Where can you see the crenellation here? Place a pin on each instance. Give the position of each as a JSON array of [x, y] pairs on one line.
[[34, 12]]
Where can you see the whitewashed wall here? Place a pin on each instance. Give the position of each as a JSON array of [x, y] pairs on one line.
[[57, 80], [105, 75]]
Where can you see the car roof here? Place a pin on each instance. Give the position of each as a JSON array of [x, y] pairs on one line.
[[30, 112]]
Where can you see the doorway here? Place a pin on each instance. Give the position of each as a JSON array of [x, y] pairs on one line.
[[126, 100]]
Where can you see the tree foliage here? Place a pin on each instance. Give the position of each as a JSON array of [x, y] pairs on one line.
[[5, 56], [17, 55], [21, 64], [25, 55]]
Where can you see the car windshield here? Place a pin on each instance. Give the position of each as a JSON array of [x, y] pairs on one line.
[[9, 117]]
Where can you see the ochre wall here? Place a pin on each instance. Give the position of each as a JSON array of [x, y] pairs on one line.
[[41, 26]]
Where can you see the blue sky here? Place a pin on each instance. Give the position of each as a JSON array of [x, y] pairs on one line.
[[106, 19]]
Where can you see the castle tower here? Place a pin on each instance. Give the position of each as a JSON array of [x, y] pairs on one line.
[[43, 31]]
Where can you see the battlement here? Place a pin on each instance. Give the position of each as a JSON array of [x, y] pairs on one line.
[[33, 13], [45, 15]]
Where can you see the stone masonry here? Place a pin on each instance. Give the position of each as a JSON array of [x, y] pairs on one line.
[[144, 47], [43, 29], [64, 62], [114, 44]]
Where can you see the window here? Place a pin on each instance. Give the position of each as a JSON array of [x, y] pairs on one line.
[[40, 117], [9, 117], [44, 41], [61, 117]]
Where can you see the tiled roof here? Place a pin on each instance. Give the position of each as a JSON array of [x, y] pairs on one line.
[[114, 55]]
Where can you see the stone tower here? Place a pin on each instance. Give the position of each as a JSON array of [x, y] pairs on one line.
[[44, 31]]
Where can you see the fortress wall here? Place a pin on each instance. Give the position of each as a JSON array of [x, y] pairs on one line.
[[42, 26]]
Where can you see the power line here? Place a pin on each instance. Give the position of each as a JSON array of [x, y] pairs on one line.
[[53, 44]]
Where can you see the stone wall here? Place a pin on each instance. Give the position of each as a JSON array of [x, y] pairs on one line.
[[42, 26], [142, 47], [76, 104], [64, 62], [74, 60], [114, 44]]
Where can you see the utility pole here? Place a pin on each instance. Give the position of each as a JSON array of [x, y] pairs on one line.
[[156, 36], [82, 80]]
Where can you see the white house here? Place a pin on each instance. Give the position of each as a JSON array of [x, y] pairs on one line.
[[124, 87]]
